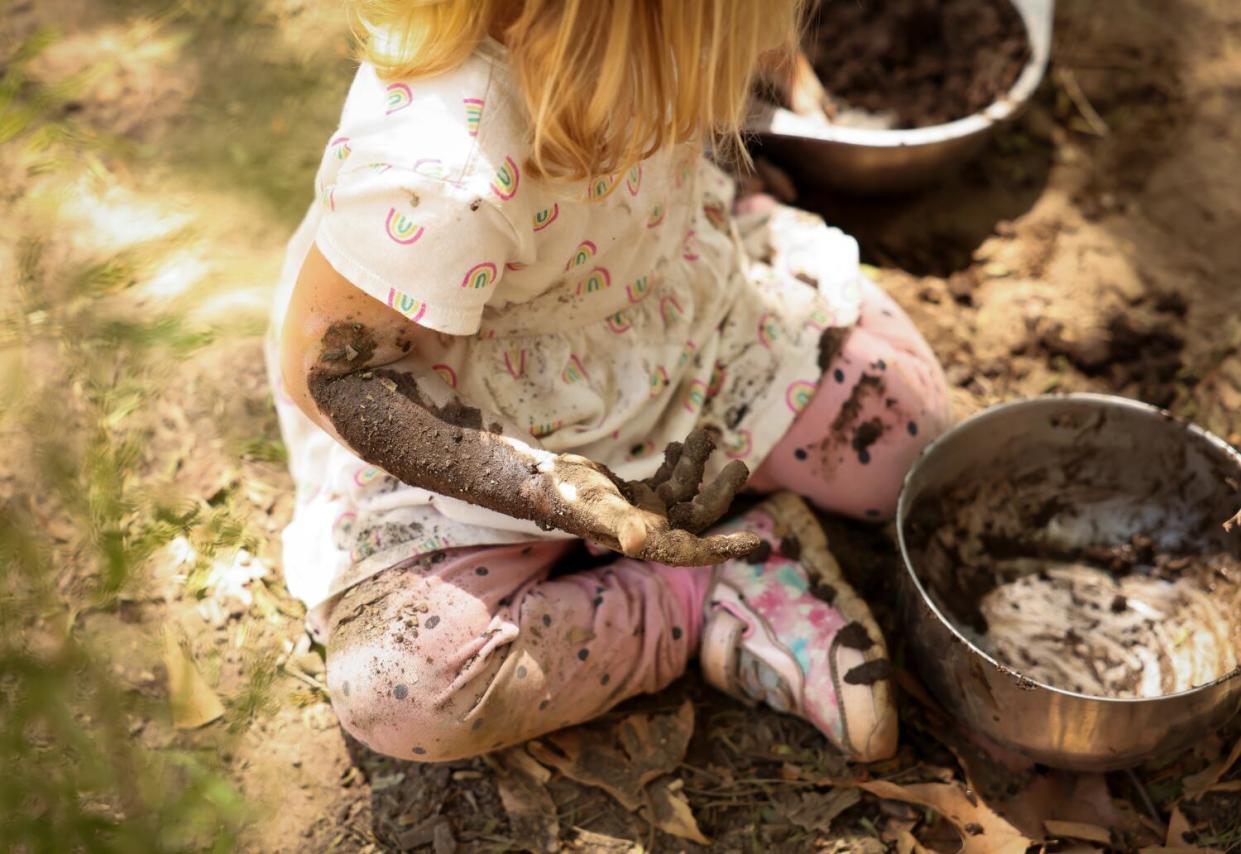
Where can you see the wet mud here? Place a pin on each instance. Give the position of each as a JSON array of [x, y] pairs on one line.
[[1123, 620], [922, 62]]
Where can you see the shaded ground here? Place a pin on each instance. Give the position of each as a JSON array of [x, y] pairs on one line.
[[154, 156]]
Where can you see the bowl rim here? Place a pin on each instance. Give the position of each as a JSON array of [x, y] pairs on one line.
[[1003, 107], [903, 506]]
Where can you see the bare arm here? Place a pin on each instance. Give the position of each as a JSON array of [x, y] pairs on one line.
[[336, 344]]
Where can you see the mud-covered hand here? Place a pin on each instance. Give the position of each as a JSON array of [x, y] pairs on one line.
[[657, 519]]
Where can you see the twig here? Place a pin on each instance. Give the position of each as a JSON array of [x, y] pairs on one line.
[[1146, 798], [302, 677], [1069, 83]]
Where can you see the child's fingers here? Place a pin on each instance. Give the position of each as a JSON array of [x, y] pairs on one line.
[[712, 502], [681, 548], [672, 453], [687, 474]]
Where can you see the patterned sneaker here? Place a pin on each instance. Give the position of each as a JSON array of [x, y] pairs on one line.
[[769, 639]]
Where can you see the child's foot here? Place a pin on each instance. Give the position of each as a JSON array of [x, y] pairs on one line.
[[769, 639]]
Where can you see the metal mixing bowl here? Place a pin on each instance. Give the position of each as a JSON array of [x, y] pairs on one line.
[[876, 161], [1117, 468]]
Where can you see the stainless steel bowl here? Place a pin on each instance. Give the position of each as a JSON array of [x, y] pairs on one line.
[[877, 161], [1124, 468]]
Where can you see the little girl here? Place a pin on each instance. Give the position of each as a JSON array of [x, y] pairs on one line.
[[520, 289]]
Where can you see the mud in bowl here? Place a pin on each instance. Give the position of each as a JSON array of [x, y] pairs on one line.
[[1071, 589]]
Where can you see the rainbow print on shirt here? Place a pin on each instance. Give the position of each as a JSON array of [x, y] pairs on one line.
[[739, 445], [447, 374], [504, 184], [637, 290], [431, 168], [343, 526], [546, 428], [545, 217], [818, 320], [695, 396], [768, 330], [718, 375], [399, 97], [689, 250], [687, 353], [659, 381], [798, 395], [670, 310], [401, 229], [365, 475], [618, 323], [656, 217], [574, 372], [515, 363], [633, 181], [600, 187], [584, 252], [598, 280], [480, 276], [340, 147], [473, 114], [406, 305]]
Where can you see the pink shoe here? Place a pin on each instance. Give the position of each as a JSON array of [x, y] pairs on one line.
[[769, 639]]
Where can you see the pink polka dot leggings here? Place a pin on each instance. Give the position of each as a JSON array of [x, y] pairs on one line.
[[470, 650]]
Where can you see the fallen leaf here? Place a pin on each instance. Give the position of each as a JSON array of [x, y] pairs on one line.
[[1178, 826], [531, 811], [193, 702], [630, 761], [622, 759], [1197, 785], [982, 830], [601, 843], [906, 843], [1177, 849], [815, 811], [670, 811], [1078, 830], [1026, 798]]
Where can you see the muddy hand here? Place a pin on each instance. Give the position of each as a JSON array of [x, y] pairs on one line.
[[658, 519]]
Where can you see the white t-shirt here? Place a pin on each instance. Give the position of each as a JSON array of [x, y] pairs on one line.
[[604, 318]]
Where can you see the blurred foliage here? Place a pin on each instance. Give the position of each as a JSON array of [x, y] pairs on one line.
[[79, 520]]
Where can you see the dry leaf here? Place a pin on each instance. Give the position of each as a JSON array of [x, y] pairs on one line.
[[982, 831], [815, 811], [193, 702], [1196, 785], [1079, 830], [1178, 826], [1177, 849], [630, 761], [622, 759], [906, 843], [601, 843], [1027, 798], [531, 811], [670, 811]]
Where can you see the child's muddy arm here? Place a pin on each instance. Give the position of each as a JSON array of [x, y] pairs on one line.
[[335, 343], [387, 421]]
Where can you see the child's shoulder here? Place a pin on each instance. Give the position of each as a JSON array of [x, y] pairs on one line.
[[468, 113]]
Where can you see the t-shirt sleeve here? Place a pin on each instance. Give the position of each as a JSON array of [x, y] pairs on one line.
[[416, 240]]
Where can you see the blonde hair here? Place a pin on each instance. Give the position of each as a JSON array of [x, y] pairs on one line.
[[607, 83]]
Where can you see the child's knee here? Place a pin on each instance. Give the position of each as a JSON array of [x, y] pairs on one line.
[[396, 703]]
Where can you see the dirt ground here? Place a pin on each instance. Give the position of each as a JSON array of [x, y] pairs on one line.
[[155, 155]]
